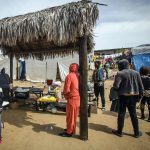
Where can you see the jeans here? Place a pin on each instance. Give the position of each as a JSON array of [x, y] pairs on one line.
[[130, 103]]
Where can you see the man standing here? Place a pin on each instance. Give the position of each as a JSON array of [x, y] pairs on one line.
[[4, 84], [98, 78], [71, 94], [130, 89]]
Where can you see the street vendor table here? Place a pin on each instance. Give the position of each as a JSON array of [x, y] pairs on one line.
[[37, 91], [32, 90], [52, 93], [22, 92], [61, 104], [90, 95]]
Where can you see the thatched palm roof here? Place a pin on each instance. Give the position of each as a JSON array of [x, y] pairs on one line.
[[51, 31]]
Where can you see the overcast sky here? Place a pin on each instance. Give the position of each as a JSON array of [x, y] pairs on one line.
[[123, 23]]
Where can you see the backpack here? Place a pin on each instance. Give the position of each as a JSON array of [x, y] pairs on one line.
[[113, 95], [98, 75]]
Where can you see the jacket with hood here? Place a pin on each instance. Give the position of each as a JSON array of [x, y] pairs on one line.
[[71, 86], [128, 81], [4, 79]]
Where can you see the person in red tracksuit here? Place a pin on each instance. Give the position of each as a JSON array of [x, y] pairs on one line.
[[71, 94]]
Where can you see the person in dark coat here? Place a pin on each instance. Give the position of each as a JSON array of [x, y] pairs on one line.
[[130, 89], [4, 84], [145, 71]]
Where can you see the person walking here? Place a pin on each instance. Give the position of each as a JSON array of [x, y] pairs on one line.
[[129, 85], [98, 78], [71, 94], [145, 71]]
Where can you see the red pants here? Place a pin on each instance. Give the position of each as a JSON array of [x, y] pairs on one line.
[[72, 111]]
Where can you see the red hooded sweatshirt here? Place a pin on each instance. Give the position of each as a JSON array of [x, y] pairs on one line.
[[71, 87], [71, 93]]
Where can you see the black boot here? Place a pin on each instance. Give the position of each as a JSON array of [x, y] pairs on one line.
[[116, 132], [137, 135], [65, 134], [142, 114], [142, 117]]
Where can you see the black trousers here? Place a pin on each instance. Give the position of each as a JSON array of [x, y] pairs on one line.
[[99, 90], [106, 73], [145, 100], [6, 93], [130, 103]]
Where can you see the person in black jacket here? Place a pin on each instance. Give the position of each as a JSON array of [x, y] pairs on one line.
[[145, 71], [129, 85], [4, 84]]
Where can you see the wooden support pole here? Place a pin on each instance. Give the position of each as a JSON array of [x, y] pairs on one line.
[[17, 69], [83, 88], [11, 67], [11, 72]]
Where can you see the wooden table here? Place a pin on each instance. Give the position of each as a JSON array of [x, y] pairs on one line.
[[90, 95], [37, 91]]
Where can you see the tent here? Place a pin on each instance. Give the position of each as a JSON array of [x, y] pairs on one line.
[[39, 71], [5, 63], [141, 56], [63, 70]]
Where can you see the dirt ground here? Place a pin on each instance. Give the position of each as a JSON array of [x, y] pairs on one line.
[[27, 129]]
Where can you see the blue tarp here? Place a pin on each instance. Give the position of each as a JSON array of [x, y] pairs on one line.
[[141, 60]]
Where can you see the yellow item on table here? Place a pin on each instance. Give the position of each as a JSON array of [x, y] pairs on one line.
[[57, 90], [47, 98]]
